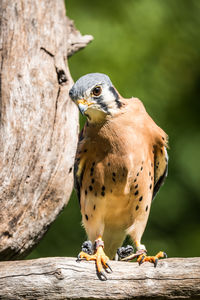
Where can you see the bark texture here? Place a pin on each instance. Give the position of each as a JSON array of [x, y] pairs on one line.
[[64, 278], [38, 122]]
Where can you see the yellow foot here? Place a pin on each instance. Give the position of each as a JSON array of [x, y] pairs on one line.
[[152, 259], [100, 258]]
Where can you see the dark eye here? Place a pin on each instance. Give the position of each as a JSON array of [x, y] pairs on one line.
[[96, 91]]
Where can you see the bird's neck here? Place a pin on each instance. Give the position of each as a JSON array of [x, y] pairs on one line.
[[96, 117]]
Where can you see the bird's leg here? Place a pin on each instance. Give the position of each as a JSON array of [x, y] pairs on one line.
[[99, 256]]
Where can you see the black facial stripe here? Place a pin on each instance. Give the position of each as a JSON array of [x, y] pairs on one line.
[[117, 101], [102, 104], [99, 99]]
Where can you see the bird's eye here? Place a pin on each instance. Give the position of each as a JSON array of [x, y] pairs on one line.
[[96, 91]]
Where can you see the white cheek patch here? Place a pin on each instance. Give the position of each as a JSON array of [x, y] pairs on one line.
[[109, 100]]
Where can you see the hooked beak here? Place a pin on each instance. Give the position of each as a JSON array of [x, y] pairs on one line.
[[83, 105]]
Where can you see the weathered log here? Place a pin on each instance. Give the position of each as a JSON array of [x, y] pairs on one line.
[[64, 278], [38, 122]]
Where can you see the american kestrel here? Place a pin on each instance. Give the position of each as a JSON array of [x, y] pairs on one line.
[[121, 163]]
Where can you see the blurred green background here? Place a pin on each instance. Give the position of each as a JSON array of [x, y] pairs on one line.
[[151, 50]]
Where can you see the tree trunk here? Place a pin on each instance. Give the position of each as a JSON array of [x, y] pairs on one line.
[[64, 278], [38, 122]]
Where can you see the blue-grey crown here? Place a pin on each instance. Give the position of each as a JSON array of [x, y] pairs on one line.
[[87, 81]]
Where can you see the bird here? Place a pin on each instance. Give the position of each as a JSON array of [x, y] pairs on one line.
[[121, 163]]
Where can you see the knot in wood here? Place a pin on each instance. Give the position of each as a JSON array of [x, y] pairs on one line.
[[58, 273], [62, 78]]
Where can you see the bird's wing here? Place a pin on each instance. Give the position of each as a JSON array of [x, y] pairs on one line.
[[76, 180], [78, 170], [160, 168], [157, 138]]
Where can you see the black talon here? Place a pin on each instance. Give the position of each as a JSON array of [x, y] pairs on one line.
[[165, 254], [108, 269], [101, 276], [141, 261], [156, 262], [78, 258]]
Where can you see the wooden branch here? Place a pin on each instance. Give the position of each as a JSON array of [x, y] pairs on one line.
[[38, 122], [64, 278], [76, 41]]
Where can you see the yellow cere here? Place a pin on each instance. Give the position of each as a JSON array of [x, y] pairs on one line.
[[84, 102]]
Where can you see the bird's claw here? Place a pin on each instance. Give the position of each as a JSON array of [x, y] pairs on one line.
[[155, 262], [78, 258], [164, 254], [141, 260], [81, 256], [101, 261], [101, 275], [108, 268], [152, 259]]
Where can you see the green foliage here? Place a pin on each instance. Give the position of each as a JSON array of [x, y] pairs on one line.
[[150, 49]]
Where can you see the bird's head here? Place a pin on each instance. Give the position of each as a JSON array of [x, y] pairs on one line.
[[95, 96]]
